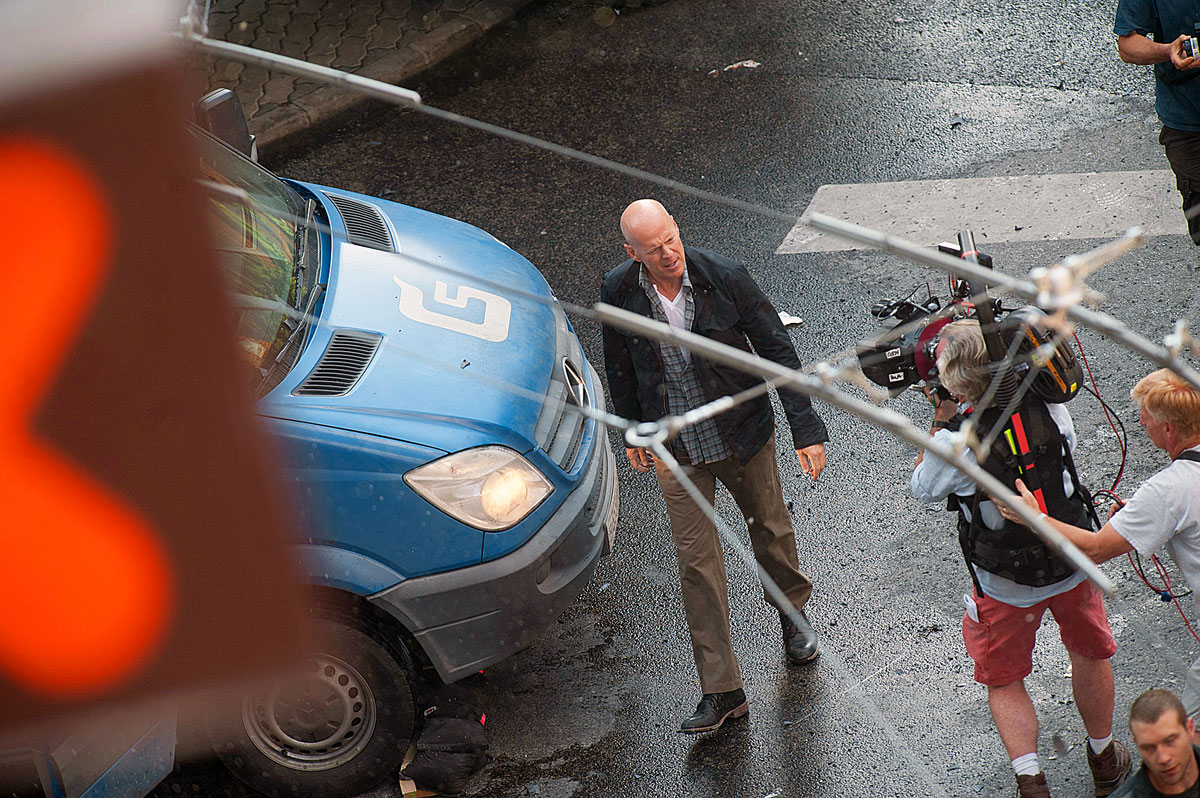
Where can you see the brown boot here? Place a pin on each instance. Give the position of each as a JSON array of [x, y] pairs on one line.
[[1033, 786], [1109, 767]]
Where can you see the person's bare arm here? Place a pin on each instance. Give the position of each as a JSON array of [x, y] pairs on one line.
[[1134, 48], [1099, 546]]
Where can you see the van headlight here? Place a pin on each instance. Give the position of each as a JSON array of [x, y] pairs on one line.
[[490, 488]]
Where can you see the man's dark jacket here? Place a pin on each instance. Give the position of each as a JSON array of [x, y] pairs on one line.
[[1138, 785], [730, 309]]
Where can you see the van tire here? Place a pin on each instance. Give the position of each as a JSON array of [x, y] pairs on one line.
[[338, 727]]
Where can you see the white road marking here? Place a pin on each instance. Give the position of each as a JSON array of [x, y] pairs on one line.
[[998, 209]]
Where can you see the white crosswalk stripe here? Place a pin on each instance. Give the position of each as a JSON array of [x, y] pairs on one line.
[[998, 209]]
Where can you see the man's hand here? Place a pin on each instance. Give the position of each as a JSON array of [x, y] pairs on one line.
[[640, 458], [812, 459], [943, 409], [1027, 497], [1116, 508], [1179, 58]]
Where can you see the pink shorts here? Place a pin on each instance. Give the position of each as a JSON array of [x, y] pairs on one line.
[[1001, 641]]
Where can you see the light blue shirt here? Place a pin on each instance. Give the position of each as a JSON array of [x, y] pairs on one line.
[[934, 480]]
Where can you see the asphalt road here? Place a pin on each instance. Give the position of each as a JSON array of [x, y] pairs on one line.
[[846, 93]]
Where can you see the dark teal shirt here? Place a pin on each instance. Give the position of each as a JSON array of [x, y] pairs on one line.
[[1177, 94]]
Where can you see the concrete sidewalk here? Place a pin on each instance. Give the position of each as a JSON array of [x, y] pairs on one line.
[[389, 40]]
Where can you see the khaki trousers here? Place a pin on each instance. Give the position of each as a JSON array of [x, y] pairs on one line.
[[756, 489]]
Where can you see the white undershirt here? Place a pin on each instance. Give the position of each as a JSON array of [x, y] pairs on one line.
[[674, 309]]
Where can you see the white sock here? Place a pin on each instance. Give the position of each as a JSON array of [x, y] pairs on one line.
[[1098, 745], [1026, 765]]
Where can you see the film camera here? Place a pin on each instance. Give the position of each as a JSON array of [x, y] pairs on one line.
[[903, 351]]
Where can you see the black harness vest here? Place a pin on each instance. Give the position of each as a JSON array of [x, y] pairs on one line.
[[1013, 551]]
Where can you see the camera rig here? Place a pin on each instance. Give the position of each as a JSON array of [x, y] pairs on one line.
[[902, 352], [1022, 355]]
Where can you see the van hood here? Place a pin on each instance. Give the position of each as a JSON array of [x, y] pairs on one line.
[[468, 335]]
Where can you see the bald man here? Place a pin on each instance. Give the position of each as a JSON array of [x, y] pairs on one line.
[[713, 296]]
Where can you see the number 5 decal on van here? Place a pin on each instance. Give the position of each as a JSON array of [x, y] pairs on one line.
[[496, 310]]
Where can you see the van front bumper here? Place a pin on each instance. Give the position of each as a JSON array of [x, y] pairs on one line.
[[470, 618]]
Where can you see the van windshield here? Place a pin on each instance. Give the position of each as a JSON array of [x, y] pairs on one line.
[[264, 250]]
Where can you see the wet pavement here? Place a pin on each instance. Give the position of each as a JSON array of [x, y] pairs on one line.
[[844, 94]]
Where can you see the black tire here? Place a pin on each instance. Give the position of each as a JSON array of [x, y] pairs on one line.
[[338, 728]]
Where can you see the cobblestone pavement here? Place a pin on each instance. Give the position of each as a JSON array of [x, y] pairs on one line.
[[389, 40]]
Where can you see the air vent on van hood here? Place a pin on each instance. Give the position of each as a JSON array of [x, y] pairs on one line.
[[339, 369], [364, 223]]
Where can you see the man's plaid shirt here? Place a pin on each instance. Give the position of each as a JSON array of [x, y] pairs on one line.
[[701, 441]]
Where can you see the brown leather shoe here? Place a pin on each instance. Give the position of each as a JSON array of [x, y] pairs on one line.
[[1109, 767], [1033, 786]]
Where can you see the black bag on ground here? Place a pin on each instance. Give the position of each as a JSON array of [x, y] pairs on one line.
[[453, 744]]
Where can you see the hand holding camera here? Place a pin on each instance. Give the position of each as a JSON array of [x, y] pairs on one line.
[[1189, 50], [1191, 47]]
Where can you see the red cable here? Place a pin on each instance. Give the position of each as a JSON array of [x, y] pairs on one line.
[[1161, 591], [1096, 388], [1138, 571], [1167, 581]]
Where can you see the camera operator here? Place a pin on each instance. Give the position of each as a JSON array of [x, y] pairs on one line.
[[1165, 510], [1016, 578]]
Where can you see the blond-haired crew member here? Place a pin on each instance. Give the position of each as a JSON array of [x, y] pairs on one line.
[[1165, 510]]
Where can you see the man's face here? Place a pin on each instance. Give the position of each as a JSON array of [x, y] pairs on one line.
[[1155, 430], [657, 246], [1166, 748]]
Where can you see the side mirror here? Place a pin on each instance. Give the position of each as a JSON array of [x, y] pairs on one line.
[[220, 113]]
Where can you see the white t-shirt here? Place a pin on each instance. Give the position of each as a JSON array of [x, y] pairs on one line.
[[1165, 511], [675, 311]]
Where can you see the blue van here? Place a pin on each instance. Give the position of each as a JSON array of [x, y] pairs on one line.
[[429, 403]]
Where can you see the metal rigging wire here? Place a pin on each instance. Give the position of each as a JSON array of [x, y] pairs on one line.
[[1061, 288]]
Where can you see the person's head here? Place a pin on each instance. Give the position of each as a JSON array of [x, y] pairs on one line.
[[1170, 410], [652, 238], [962, 360], [1162, 732]]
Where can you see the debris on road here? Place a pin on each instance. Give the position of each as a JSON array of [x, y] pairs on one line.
[[747, 64], [604, 16], [790, 321], [409, 789], [452, 746]]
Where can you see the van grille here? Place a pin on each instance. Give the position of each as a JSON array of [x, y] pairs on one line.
[[342, 365], [562, 421], [364, 223]]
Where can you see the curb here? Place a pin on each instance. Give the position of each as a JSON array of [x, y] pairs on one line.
[[441, 42]]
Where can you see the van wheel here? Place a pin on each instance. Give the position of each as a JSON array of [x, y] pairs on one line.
[[337, 727]]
